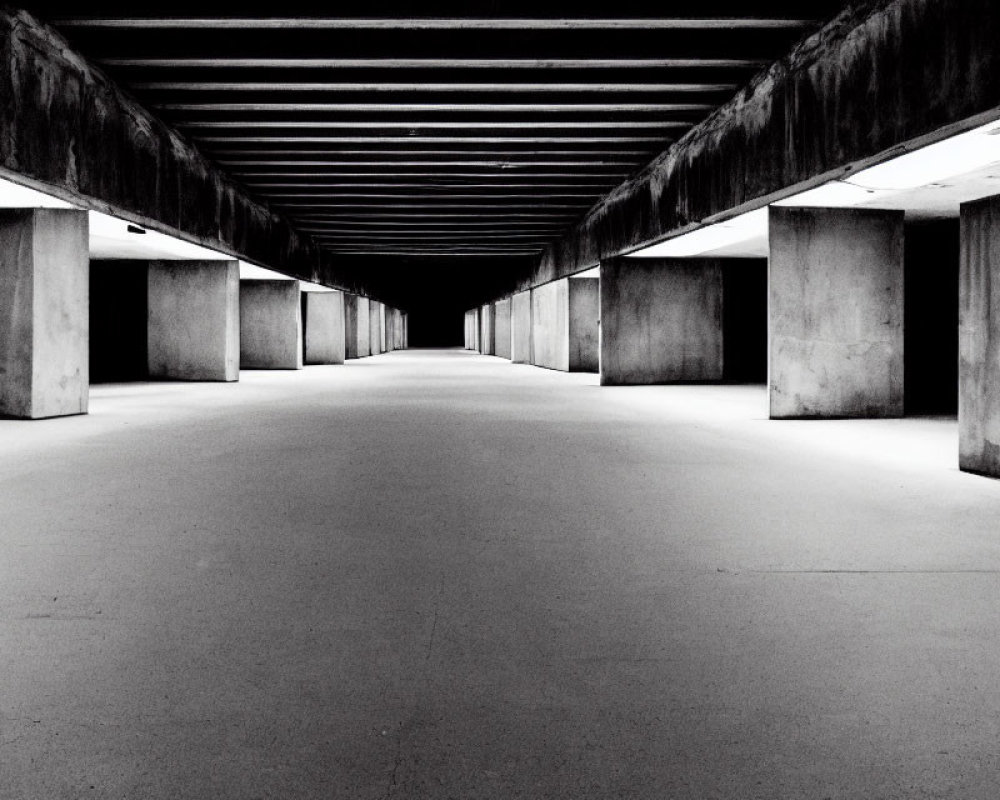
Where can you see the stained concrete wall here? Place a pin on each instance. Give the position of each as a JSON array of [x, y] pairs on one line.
[[520, 328], [118, 320], [323, 327], [501, 328], [661, 320], [375, 326], [584, 324], [835, 307], [75, 132], [193, 329], [979, 338], [270, 325], [550, 325], [876, 76], [44, 316]]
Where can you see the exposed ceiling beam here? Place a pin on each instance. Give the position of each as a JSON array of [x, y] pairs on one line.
[[434, 24], [488, 108], [434, 63], [362, 124], [342, 86]]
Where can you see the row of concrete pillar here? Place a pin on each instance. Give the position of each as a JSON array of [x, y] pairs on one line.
[[202, 322], [835, 312]]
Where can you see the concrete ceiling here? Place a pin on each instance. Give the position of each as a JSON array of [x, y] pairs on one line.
[[483, 131]]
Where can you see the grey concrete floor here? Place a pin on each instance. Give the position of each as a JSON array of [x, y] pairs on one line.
[[440, 575]]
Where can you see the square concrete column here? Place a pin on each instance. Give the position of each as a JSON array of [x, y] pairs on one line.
[[520, 328], [560, 339], [474, 324], [382, 329], [487, 345], [835, 309], [406, 330], [193, 320], [471, 330], [979, 338], [355, 326], [501, 328], [397, 341], [550, 325], [661, 320], [391, 324], [375, 326], [584, 324], [324, 328], [270, 325], [44, 314]]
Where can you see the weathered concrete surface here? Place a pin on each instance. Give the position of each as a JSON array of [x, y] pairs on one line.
[[70, 130], [44, 315], [584, 324], [550, 325], [487, 330], [193, 330], [374, 327], [382, 329], [835, 310], [351, 325], [397, 330], [205, 595], [881, 75], [520, 328], [270, 324], [501, 328], [979, 338], [661, 320], [362, 320], [323, 327], [472, 329], [390, 328]]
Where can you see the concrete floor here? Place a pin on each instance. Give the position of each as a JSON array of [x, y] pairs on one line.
[[440, 575]]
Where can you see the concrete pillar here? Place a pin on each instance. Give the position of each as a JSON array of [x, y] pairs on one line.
[[835, 309], [382, 329], [979, 338], [584, 324], [520, 328], [323, 326], [474, 329], [375, 326], [397, 341], [270, 325], [470, 330], [501, 328], [193, 320], [406, 329], [356, 326], [487, 345], [353, 326], [390, 329], [44, 315], [550, 325], [560, 339], [661, 320]]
